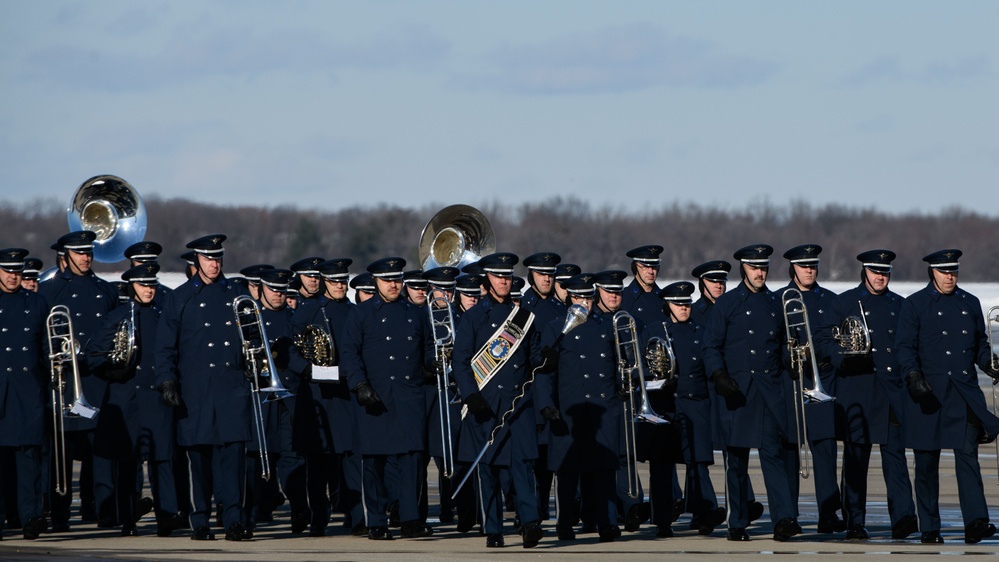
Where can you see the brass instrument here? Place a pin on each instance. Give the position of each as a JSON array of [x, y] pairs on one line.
[[853, 335], [629, 363], [122, 354], [62, 350], [112, 208], [993, 324], [315, 343], [660, 357], [442, 324], [802, 350], [259, 364], [456, 236]]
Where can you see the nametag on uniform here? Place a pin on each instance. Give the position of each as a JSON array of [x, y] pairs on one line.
[[320, 373], [655, 385]]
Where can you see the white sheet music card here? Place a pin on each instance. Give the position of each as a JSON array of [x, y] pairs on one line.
[[327, 374], [655, 385]]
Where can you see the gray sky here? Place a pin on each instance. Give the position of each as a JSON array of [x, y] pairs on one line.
[[637, 104]]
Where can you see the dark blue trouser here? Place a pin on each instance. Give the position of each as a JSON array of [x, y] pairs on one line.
[[856, 462], [662, 474], [218, 470], [597, 489], [381, 470], [970, 490], [774, 477], [27, 464], [493, 480]]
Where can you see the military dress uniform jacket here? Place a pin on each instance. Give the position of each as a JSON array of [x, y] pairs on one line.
[[821, 305], [89, 299], [134, 420], [25, 398], [388, 345], [518, 440], [866, 386], [699, 311], [645, 306], [944, 337], [198, 345], [326, 409], [689, 406], [745, 335], [584, 388]]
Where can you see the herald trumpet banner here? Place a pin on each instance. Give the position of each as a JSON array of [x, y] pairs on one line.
[[630, 366], [259, 364], [802, 351], [993, 324], [63, 350], [442, 324], [456, 236], [853, 335]]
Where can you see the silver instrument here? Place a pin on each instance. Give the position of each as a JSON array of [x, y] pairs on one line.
[[63, 349], [112, 208], [123, 347], [993, 324], [456, 236], [442, 324], [630, 364], [853, 335], [801, 348], [259, 364], [315, 343], [660, 357]]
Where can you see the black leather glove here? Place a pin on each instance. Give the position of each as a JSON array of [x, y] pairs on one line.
[[725, 385], [550, 413], [477, 404], [622, 394], [171, 393], [919, 389], [991, 370], [550, 357], [366, 396]]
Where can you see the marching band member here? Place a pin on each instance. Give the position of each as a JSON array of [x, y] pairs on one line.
[[364, 287], [941, 338], [641, 296], [580, 401], [495, 346], [308, 276], [870, 402], [199, 371], [134, 423], [385, 349], [252, 275], [89, 299], [468, 291], [29, 277], [820, 304], [414, 287], [24, 393], [147, 252], [712, 279], [742, 352]]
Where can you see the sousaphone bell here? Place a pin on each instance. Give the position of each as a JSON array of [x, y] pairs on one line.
[[455, 237]]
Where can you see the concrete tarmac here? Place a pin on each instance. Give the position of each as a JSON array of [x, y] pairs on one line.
[[274, 541]]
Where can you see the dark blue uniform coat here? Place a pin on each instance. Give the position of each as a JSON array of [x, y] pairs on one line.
[[24, 369], [645, 306]]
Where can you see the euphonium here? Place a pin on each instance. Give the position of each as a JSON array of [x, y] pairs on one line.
[[123, 346], [853, 335]]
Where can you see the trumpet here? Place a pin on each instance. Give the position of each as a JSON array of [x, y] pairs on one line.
[[260, 364], [993, 323], [796, 323], [629, 362], [62, 350], [442, 324], [122, 354], [853, 335]]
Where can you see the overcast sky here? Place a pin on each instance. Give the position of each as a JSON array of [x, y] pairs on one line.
[[329, 104]]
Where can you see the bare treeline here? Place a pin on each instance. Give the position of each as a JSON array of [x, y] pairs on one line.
[[594, 237]]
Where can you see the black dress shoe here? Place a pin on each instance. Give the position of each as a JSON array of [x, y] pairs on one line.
[[494, 541], [707, 522], [379, 534], [236, 532], [904, 527], [142, 507], [637, 514], [35, 527], [300, 521], [664, 532], [755, 511], [359, 530], [129, 532], [978, 529], [415, 530], [609, 533], [931, 537], [737, 535], [532, 533], [786, 528], [857, 533], [831, 525], [170, 524], [202, 534], [565, 533]]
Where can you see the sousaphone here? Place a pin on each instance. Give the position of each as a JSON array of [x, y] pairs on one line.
[[455, 237]]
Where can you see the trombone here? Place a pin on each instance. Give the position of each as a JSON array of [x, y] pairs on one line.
[[801, 349], [62, 350], [629, 361], [442, 324], [259, 364], [993, 323]]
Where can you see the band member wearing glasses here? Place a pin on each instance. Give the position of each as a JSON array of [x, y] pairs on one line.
[[24, 384], [941, 338], [386, 347], [199, 371], [496, 346], [820, 304], [870, 398], [742, 349]]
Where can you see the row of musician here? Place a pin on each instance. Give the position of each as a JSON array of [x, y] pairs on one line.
[[348, 402]]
